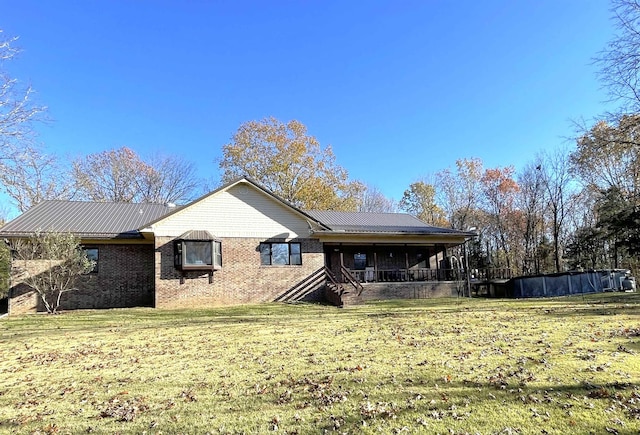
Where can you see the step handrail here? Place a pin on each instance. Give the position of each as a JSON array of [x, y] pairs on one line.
[[351, 279], [332, 279]]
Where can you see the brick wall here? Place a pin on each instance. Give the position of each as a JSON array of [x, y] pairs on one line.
[[22, 299], [241, 280], [403, 290], [124, 279]]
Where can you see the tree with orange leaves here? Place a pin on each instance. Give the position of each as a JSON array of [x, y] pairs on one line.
[[500, 190], [284, 158]]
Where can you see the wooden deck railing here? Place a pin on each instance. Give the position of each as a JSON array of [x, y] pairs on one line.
[[423, 274], [492, 273]]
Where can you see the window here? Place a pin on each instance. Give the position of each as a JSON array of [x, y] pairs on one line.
[[92, 255], [273, 254], [198, 254], [360, 261], [217, 254]]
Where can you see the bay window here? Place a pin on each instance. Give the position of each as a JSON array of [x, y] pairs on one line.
[[198, 254]]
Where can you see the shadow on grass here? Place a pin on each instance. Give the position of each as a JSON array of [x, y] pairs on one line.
[[30, 326], [461, 404], [606, 304], [123, 319], [455, 402]]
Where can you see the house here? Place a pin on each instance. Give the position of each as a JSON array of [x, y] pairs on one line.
[[241, 244]]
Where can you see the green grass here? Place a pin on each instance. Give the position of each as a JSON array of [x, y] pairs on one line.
[[567, 365]]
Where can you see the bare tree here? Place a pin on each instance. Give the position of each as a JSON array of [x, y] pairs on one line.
[[530, 201], [5, 266], [108, 176], [31, 176], [18, 111], [122, 176], [168, 178], [557, 180], [50, 264], [619, 62], [374, 201], [4, 214], [25, 172]]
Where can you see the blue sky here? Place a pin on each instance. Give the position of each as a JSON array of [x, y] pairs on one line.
[[399, 89]]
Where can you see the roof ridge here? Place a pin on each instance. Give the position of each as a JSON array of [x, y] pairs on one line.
[[81, 201], [395, 213]]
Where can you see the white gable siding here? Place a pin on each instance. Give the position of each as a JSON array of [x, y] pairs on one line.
[[239, 211]]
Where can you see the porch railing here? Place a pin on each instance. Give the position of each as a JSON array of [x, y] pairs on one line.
[[423, 274], [491, 273]]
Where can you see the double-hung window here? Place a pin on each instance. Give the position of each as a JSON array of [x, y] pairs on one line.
[[280, 254]]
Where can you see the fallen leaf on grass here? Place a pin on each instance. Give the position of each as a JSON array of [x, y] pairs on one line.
[[124, 410], [188, 396]]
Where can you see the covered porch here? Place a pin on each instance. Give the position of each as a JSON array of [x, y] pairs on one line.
[[389, 255], [377, 263]]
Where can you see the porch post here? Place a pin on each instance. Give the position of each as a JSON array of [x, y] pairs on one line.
[[438, 278], [406, 262], [466, 267], [341, 264], [375, 265]]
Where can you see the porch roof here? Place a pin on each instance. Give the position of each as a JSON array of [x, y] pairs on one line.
[[379, 223]]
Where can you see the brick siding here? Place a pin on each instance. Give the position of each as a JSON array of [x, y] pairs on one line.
[[402, 290], [242, 279], [124, 279]]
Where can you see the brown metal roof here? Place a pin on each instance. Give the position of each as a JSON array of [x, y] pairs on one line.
[[86, 219], [362, 222], [196, 235]]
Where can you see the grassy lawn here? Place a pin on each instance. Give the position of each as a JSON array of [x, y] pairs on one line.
[[568, 365]]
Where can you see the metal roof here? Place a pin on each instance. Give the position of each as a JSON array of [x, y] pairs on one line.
[[363, 222], [86, 219], [198, 235]]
